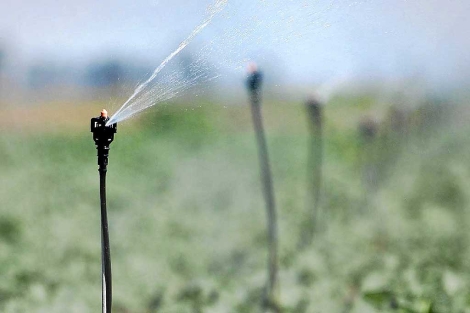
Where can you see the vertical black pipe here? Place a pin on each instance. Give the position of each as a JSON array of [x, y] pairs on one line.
[[314, 169], [106, 282], [368, 130], [254, 86]]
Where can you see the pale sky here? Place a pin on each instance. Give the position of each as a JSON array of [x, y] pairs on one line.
[[320, 38]]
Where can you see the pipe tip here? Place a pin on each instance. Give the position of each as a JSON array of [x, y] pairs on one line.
[[252, 67], [104, 113], [315, 98]]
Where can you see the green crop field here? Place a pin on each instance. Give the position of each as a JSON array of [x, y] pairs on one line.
[[187, 217]]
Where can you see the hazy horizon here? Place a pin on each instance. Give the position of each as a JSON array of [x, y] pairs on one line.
[[307, 40]]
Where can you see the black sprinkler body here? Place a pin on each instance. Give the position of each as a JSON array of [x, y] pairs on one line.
[[103, 136]]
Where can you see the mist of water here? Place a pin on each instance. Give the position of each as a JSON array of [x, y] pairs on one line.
[[248, 29], [142, 98]]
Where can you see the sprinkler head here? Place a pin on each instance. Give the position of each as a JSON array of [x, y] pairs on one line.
[[368, 128], [103, 136], [314, 101], [314, 109], [255, 78]]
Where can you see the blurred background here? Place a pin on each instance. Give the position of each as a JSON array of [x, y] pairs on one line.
[[382, 162]]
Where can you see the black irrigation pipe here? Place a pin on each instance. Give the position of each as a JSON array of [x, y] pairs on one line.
[[254, 88], [103, 136], [368, 131], [314, 169]]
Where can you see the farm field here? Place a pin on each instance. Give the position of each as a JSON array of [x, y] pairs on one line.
[[187, 217]]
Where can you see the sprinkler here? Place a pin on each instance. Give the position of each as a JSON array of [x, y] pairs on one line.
[[254, 81], [103, 136]]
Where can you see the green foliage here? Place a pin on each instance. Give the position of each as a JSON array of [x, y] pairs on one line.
[[381, 300], [386, 301], [192, 124], [187, 220], [10, 230]]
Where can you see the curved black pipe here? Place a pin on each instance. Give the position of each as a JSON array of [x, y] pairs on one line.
[[254, 82]]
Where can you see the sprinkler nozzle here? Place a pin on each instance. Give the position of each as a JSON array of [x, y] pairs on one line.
[[103, 136]]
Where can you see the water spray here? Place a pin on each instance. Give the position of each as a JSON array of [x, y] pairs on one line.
[[149, 92], [103, 136], [254, 82]]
